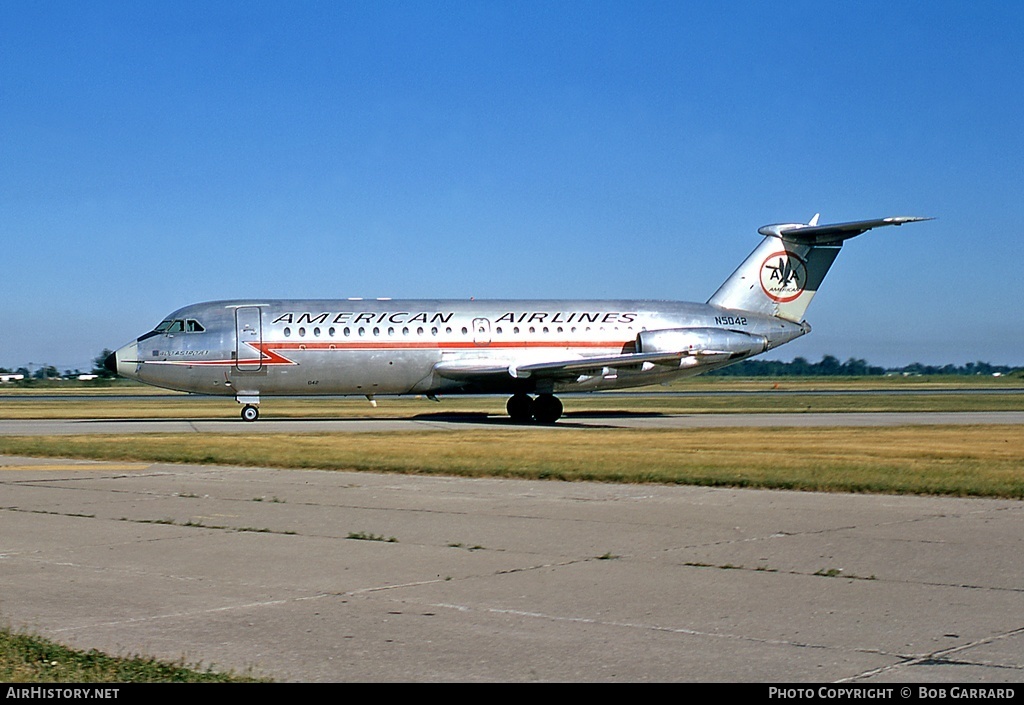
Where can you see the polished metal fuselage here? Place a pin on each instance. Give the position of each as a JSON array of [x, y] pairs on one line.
[[383, 346]]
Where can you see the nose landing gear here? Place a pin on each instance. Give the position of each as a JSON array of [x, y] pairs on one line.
[[251, 406], [545, 409]]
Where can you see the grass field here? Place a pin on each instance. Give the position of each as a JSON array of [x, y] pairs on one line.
[[982, 461], [25, 658]]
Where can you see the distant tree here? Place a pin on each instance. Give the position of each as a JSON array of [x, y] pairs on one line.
[[800, 366], [860, 368], [99, 364], [829, 365], [47, 372]]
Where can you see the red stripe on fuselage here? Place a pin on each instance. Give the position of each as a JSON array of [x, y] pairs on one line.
[[270, 356]]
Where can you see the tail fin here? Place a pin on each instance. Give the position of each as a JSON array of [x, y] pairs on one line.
[[781, 276]]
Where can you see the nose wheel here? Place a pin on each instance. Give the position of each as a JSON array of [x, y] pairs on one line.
[[250, 413]]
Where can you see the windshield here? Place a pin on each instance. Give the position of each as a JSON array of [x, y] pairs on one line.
[[179, 325]]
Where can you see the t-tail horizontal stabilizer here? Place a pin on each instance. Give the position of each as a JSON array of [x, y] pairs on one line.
[[781, 276]]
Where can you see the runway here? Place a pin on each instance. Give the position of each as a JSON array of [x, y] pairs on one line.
[[307, 575], [443, 421]]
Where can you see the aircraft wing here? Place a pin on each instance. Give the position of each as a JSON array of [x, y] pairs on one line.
[[580, 366], [470, 369]]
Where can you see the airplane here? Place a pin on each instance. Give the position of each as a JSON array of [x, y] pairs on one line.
[[528, 349]]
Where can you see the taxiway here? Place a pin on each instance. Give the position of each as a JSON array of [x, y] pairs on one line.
[[442, 421], [307, 575]]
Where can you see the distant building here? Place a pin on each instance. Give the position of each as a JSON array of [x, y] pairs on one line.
[[11, 377]]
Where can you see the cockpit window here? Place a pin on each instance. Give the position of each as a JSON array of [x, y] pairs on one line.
[[179, 325]]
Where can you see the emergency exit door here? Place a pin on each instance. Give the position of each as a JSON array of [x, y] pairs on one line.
[[481, 331]]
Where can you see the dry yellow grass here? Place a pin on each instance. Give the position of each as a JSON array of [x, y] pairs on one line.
[[960, 460]]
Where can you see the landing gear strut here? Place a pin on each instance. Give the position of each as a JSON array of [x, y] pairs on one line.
[[546, 408]]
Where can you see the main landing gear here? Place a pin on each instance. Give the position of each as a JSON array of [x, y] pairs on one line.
[[250, 412], [545, 408]]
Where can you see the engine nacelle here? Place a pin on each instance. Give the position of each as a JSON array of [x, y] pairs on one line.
[[701, 341]]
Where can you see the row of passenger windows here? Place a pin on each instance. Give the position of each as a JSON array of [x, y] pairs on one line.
[[406, 331]]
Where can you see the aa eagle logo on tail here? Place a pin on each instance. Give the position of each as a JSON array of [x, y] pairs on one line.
[[783, 276]]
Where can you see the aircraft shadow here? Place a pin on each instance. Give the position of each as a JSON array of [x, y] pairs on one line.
[[566, 421], [616, 414], [452, 417]]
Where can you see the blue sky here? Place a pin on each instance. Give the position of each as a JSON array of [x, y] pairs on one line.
[[154, 155]]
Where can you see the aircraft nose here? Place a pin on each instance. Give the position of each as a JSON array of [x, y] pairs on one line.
[[111, 362]]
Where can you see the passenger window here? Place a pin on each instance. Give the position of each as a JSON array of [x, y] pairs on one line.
[[287, 332]]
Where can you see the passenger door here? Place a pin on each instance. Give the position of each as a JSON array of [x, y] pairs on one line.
[[248, 339]]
